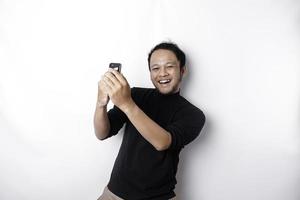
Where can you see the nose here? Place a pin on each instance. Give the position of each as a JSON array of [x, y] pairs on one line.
[[163, 71]]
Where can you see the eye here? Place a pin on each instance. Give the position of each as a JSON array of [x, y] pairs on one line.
[[170, 66], [154, 68]]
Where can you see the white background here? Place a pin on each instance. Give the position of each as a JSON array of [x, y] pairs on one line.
[[243, 60]]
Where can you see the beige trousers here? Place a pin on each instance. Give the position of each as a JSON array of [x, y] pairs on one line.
[[108, 195]]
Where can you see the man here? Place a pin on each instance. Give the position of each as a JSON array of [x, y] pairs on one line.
[[159, 123]]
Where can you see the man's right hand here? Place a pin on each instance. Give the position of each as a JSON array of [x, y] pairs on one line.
[[102, 94]]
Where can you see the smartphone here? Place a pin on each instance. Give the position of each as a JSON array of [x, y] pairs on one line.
[[115, 66]]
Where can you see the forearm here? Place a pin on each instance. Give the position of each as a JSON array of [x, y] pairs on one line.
[[101, 122], [149, 129]]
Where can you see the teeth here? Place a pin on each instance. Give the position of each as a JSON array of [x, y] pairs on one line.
[[164, 81]]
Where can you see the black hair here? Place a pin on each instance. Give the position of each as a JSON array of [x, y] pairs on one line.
[[171, 47]]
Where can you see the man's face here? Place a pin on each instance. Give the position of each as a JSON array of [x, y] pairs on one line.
[[165, 71]]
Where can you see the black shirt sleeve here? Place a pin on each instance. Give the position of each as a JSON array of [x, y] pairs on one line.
[[187, 124], [116, 119]]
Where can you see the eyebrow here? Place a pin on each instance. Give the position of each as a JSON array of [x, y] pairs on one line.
[[171, 62]]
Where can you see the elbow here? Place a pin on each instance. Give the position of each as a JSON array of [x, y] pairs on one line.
[[101, 132], [100, 136], [162, 148], [164, 145]]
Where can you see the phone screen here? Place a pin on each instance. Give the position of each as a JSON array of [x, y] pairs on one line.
[[116, 66]]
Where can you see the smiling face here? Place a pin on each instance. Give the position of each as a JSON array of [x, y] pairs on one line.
[[165, 71]]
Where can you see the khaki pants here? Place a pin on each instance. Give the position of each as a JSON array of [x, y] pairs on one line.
[[108, 195]]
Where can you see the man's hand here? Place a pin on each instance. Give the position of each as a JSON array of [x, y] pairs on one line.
[[118, 89]]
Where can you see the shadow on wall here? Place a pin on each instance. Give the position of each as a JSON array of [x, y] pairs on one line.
[[187, 77], [189, 156], [194, 150], [296, 3]]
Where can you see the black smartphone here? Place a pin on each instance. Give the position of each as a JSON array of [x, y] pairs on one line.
[[115, 66]]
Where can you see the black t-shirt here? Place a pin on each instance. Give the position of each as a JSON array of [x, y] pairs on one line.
[[140, 171]]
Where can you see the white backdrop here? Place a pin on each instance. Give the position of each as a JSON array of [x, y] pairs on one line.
[[243, 59]]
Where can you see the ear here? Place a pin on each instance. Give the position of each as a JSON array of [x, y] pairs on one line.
[[183, 71]]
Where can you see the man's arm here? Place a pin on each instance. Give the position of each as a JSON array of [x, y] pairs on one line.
[[119, 92], [101, 121], [149, 129]]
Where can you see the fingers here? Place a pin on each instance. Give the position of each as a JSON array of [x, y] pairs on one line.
[[102, 93], [102, 90], [108, 81], [119, 76], [114, 79], [112, 82]]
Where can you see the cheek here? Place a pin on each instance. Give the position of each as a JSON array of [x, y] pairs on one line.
[[152, 75], [177, 74]]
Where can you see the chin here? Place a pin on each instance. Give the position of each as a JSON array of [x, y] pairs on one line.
[[166, 91]]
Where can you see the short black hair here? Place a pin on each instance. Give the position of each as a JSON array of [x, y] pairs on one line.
[[171, 47]]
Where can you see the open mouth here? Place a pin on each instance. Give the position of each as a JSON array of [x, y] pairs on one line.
[[164, 81]]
